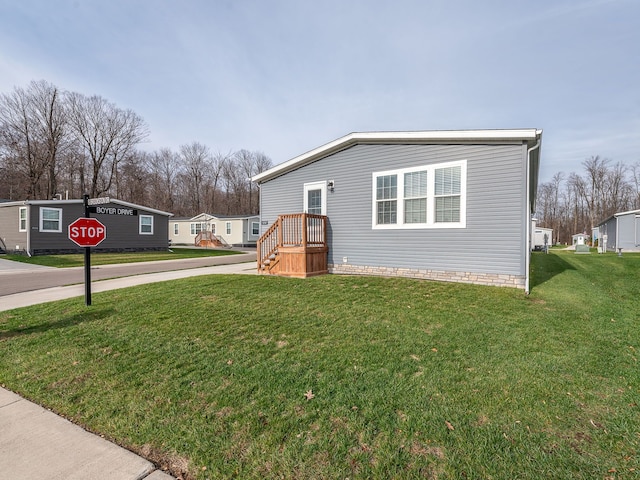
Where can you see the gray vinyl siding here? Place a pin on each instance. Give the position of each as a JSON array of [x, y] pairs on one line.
[[492, 242], [122, 231], [44, 242], [628, 230], [10, 232], [608, 228]]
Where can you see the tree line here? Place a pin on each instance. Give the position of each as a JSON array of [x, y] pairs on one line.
[[575, 203], [56, 143]]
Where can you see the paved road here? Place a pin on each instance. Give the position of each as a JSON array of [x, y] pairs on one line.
[[17, 277]]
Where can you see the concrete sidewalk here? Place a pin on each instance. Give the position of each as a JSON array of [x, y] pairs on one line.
[[36, 444], [25, 299]]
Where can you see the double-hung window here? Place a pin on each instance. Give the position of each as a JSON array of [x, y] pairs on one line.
[[196, 228], [50, 219], [146, 224], [22, 219], [387, 199], [430, 196], [447, 194]]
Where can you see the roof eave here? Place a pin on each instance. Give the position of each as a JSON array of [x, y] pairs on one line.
[[530, 135]]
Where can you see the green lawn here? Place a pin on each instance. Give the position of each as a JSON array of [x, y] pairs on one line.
[[351, 377], [77, 260]]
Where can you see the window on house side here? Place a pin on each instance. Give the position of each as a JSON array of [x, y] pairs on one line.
[[146, 224], [447, 193], [415, 197], [175, 228], [386, 202], [50, 219], [228, 228], [255, 228], [22, 219], [196, 228], [429, 196]]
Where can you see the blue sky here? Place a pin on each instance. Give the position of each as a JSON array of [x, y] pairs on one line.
[[285, 76]]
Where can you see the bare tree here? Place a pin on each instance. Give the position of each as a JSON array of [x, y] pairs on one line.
[[261, 164], [592, 187], [32, 125], [635, 184], [106, 133], [163, 167], [195, 159], [218, 164]]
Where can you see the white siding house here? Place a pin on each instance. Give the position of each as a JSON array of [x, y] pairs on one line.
[[230, 230]]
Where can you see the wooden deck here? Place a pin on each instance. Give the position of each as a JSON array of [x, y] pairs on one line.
[[295, 245]]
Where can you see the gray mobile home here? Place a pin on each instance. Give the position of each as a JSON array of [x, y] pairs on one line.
[[622, 230], [442, 205], [39, 227]]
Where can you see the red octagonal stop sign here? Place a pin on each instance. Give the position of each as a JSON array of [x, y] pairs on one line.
[[87, 232]]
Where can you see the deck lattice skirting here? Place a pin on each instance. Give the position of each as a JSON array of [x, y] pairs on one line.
[[492, 279]]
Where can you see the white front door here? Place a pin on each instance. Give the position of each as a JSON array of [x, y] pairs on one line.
[[315, 198]]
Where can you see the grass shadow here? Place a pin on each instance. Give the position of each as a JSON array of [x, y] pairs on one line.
[[88, 316], [546, 266]]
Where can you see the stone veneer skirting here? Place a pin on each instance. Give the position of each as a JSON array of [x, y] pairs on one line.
[[494, 279]]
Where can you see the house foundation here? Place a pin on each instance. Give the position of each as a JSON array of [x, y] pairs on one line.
[[498, 280]]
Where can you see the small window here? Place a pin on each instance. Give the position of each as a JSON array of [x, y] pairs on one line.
[[146, 224], [23, 219], [255, 228], [228, 228], [175, 228], [447, 194], [386, 203], [415, 197], [50, 219]]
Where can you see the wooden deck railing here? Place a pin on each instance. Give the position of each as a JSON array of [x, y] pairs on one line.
[[296, 233]]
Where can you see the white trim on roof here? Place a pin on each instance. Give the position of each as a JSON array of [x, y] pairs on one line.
[[619, 214], [427, 136], [53, 203]]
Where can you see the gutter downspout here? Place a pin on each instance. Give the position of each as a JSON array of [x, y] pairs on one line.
[[527, 241]]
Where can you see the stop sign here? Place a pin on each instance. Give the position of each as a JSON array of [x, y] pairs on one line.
[[87, 232]]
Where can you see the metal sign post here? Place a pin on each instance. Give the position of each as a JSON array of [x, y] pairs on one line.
[[87, 232], [87, 259]]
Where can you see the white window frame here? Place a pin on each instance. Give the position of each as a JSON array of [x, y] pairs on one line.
[[255, 229], [430, 223], [140, 217], [22, 220], [176, 229], [196, 227], [316, 186], [41, 220], [228, 228]]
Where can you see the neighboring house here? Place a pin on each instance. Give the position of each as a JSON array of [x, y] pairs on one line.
[[442, 205], [622, 230], [540, 236], [230, 230], [39, 227]]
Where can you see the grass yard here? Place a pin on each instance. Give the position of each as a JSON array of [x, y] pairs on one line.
[[351, 377], [77, 259]]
